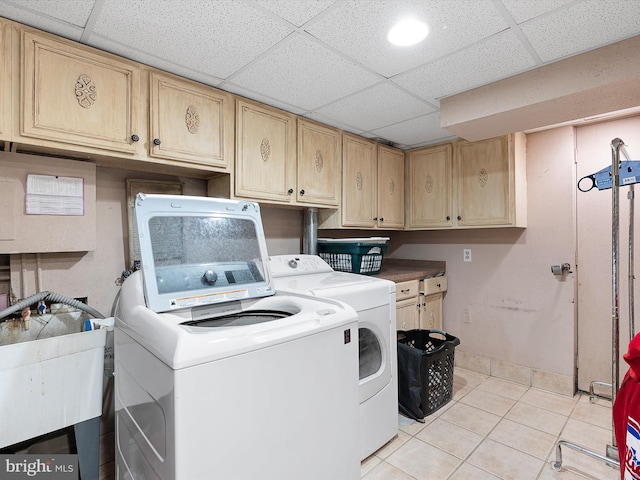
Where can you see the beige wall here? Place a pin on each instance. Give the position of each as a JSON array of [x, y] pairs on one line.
[[519, 312], [96, 275]]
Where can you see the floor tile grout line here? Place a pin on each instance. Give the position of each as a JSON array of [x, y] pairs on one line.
[[485, 436], [558, 437], [502, 417]]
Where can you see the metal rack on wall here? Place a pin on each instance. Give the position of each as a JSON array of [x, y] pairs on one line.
[[610, 177]]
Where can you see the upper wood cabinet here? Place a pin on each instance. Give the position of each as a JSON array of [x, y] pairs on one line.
[[359, 182], [390, 188], [430, 187], [265, 153], [390, 191], [190, 122], [5, 81], [468, 184], [372, 187], [491, 183], [281, 163], [318, 168], [77, 95]]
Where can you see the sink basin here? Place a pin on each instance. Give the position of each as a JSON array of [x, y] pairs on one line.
[[49, 383]]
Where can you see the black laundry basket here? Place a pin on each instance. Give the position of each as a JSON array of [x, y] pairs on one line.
[[425, 371]]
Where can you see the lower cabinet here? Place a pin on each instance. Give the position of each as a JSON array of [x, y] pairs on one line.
[[407, 305], [419, 303], [430, 312]]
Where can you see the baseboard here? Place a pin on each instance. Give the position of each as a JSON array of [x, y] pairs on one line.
[[530, 377]]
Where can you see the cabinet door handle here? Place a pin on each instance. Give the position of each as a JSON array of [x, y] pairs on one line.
[[156, 141], [302, 192], [438, 285], [459, 217], [135, 138], [375, 219], [290, 191], [405, 290], [448, 218], [382, 219]]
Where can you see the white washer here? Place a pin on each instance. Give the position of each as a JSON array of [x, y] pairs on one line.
[[217, 375], [374, 300]]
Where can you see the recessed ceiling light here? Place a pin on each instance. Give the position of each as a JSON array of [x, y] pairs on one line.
[[408, 32]]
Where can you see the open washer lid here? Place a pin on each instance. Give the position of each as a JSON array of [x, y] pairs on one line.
[[200, 250]]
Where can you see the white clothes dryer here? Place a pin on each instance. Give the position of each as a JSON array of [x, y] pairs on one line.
[[217, 374], [374, 300]]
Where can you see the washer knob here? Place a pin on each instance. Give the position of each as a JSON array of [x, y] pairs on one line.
[[210, 277], [293, 263]]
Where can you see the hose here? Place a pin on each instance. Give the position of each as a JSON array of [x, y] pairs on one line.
[[53, 297]]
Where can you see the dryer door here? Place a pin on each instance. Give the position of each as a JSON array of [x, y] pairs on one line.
[[375, 360]]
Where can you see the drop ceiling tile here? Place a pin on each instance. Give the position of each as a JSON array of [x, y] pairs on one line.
[[298, 12], [259, 97], [583, 26], [416, 132], [358, 29], [37, 20], [202, 35], [147, 59], [304, 73], [375, 107], [75, 12], [523, 11], [498, 57], [318, 117]]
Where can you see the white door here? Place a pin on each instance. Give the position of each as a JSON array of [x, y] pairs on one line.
[[594, 253]]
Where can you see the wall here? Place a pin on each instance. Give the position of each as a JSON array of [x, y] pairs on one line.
[[97, 275], [521, 316]]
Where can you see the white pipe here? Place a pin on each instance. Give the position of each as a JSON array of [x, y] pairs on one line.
[[23, 277], [38, 273]]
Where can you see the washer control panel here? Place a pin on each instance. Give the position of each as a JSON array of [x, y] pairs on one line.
[[297, 264]]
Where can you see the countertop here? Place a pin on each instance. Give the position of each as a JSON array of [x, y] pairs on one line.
[[402, 270]]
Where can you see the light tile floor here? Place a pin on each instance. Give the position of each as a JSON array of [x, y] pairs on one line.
[[494, 429]]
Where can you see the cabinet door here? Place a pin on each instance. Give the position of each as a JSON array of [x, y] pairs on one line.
[[431, 311], [359, 182], [5, 81], [484, 182], [318, 164], [429, 181], [390, 188], [190, 122], [407, 314], [265, 153], [77, 95]]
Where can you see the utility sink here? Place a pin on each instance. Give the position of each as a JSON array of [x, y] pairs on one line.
[[48, 383]]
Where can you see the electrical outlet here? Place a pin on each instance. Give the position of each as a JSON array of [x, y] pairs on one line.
[[466, 316], [466, 254]]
